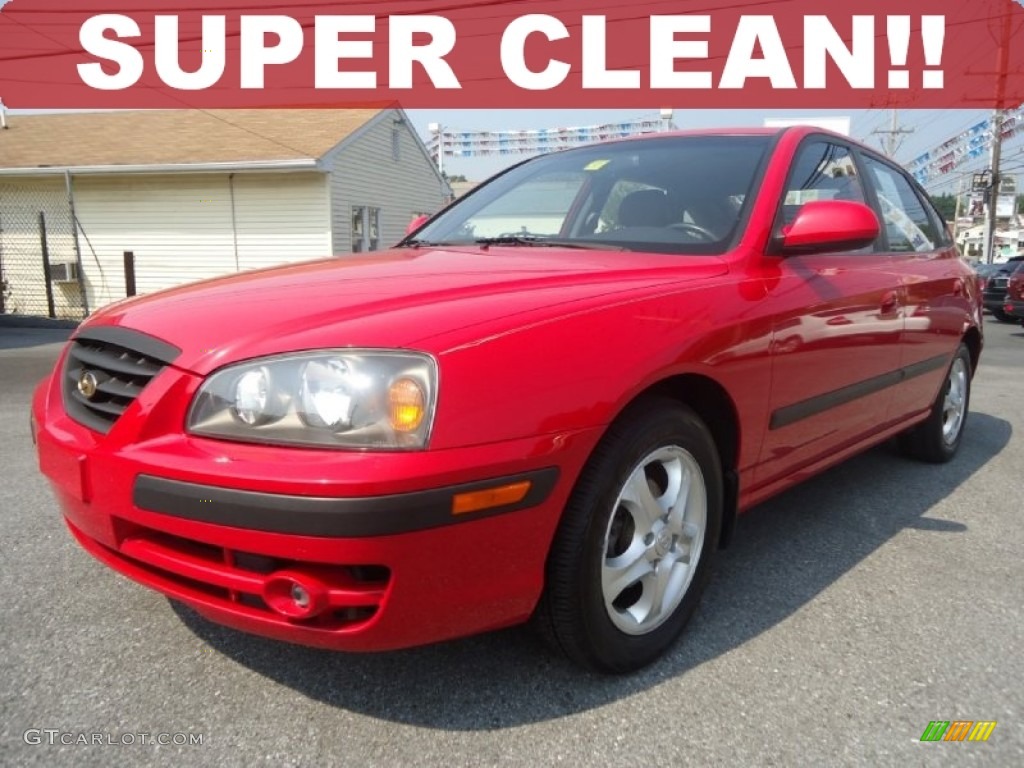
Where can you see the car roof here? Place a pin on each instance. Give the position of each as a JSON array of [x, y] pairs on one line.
[[799, 130], [1010, 264]]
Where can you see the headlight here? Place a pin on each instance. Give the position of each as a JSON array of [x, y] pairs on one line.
[[251, 396], [337, 398]]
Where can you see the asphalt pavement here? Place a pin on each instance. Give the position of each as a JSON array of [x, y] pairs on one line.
[[848, 614]]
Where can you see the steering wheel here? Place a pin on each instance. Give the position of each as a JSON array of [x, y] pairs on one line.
[[685, 226]]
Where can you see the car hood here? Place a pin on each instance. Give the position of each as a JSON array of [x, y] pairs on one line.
[[393, 299]]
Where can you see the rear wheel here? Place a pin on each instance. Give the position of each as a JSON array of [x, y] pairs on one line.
[[1001, 316], [634, 549], [938, 437]]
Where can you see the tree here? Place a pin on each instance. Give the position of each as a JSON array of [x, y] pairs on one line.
[[946, 205]]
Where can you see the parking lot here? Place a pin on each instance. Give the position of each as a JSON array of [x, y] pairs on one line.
[[848, 614]]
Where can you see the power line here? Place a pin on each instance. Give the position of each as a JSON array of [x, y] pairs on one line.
[[893, 134]]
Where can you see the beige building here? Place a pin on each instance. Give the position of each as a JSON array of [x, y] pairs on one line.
[[196, 194]]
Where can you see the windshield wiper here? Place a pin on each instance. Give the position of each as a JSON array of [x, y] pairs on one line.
[[537, 241], [533, 241]]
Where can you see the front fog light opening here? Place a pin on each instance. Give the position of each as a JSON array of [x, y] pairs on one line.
[[295, 595], [300, 596]]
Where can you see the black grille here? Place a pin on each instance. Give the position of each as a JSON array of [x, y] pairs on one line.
[[106, 369]]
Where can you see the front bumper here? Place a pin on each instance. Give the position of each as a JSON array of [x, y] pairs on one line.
[[367, 541]]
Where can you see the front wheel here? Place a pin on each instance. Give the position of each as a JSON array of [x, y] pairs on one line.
[[937, 438], [634, 549]]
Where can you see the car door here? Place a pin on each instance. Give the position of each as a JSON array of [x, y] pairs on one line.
[[936, 298], [836, 327]]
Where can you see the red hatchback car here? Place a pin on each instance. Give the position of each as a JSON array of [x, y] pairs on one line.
[[550, 401]]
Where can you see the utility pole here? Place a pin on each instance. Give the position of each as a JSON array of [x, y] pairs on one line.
[[997, 137], [892, 139], [956, 211], [995, 153]]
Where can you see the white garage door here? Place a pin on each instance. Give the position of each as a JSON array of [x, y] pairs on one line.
[[181, 228]]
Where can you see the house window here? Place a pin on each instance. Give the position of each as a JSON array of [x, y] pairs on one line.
[[365, 228], [396, 144], [358, 229], [374, 228]]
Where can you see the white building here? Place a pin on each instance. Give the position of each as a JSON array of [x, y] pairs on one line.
[[1007, 243], [196, 194]]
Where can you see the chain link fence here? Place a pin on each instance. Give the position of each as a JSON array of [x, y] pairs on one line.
[[40, 261]]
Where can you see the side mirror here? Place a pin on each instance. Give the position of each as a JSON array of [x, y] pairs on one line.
[[416, 223], [830, 225]]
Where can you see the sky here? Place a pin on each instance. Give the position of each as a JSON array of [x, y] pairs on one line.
[[931, 127]]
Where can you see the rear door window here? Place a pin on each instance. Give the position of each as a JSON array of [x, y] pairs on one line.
[[908, 225]]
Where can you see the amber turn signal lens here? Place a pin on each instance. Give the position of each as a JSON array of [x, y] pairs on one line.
[[475, 501], [407, 405]]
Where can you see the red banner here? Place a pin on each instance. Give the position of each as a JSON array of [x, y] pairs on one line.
[[512, 53]]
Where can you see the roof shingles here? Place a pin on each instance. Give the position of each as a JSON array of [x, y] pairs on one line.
[[174, 137]]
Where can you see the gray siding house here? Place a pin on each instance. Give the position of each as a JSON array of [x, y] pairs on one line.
[[197, 194]]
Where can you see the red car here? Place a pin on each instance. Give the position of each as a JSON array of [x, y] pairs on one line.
[[550, 401]]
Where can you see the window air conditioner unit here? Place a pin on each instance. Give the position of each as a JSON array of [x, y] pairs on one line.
[[64, 272]]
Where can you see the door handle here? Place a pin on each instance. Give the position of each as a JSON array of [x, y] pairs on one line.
[[890, 302]]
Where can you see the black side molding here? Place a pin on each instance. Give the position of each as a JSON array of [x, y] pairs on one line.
[[325, 516], [791, 414]]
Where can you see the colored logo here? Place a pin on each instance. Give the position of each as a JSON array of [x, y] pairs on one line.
[[958, 730], [87, 384]]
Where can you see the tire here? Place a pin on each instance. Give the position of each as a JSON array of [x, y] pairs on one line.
[[1001, 316], [618, 530], [937, 438]]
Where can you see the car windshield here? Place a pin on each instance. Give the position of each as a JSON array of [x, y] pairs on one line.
[[667, 194]]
